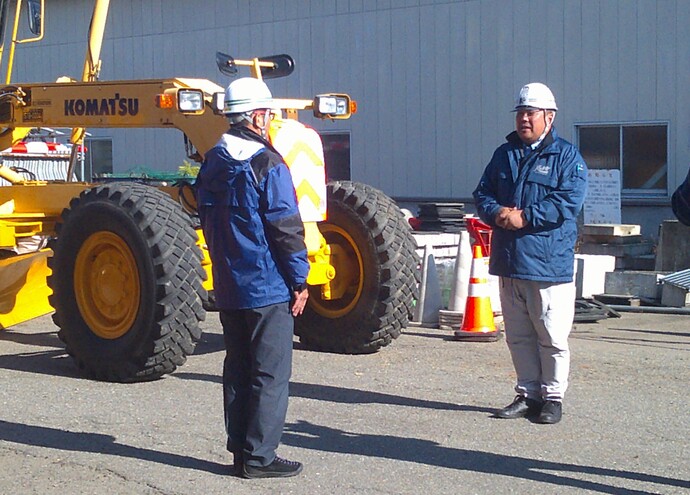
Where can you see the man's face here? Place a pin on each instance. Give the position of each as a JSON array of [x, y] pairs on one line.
[[530, 124], [262, 121]]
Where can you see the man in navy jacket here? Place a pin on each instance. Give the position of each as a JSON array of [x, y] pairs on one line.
[[251, 223], [531, 194], [680, 202]]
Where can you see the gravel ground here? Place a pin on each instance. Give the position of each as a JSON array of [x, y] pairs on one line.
[[412, 418]]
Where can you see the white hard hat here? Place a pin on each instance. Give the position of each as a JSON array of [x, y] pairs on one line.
[[535, 95], [246, 94]]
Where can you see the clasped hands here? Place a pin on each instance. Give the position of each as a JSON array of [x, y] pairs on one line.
[[510, 218]]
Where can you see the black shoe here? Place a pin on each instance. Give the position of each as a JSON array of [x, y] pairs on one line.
[[279, 468], [520, 408], [551, 412]]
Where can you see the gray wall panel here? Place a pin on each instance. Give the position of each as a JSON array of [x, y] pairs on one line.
[[608, 59], [666, 61], [626, 67], [435, 79], [589, 99], [681, 141], [646, 59], [473, 122]]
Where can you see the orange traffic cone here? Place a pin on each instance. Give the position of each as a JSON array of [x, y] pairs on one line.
[[478, 320]]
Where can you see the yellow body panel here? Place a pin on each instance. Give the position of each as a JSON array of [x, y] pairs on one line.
[[28, 210], [205, 260], [111, 104], [23, 288]]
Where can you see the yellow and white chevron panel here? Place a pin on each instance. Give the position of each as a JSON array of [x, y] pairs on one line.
[[302, 150]]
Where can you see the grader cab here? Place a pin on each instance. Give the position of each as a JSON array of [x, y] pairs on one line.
[[123, 265]]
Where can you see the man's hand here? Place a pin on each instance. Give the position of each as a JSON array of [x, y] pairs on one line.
[[299, 301], [510, 218], [501, 216]]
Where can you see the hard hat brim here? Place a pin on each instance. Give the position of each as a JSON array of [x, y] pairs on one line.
[[527, 107]]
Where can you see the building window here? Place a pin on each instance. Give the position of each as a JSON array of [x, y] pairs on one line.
[[639, 151], [98, 159], [336, 151]]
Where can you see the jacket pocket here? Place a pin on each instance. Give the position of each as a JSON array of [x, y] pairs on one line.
[[543, 245], [537, 186], [548, 180]]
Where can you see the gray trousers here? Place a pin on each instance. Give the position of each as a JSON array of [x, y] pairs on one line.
[[256, 376], [538, 319]]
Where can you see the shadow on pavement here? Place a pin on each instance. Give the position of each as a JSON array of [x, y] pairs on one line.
[[44, 339], [41, 436], [349, 395], [53, 363], [655, 332], [310, 436], [209, 343], [353, 396], [638, 337]]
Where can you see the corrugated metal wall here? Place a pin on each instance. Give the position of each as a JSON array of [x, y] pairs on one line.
[[435, 80]]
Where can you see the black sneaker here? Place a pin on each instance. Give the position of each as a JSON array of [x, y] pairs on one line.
[[279, 468], [520, 407], [551, 412]]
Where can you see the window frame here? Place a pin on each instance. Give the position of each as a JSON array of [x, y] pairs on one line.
[[334, 132], [87, 166], [628, 194]]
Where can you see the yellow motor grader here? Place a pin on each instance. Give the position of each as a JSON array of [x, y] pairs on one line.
[[123, 264]]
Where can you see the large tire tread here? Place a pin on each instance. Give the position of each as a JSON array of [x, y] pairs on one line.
[[175, 305], [379, 317]]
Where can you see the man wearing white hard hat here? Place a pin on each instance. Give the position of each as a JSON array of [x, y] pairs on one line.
[[531, 193], [251, 222]]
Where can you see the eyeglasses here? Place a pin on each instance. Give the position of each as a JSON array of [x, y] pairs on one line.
[[530, 114], [265, 114]]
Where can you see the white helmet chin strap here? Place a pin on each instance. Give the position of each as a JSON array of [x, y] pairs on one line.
[[267, 124], [547, 125], [547, 128], [236, 118]]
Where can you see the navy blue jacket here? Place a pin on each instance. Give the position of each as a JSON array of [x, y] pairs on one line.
[[680, 202], [549, 184], [251, 222]]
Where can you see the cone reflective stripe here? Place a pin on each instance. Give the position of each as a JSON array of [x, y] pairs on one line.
[[478, 320]]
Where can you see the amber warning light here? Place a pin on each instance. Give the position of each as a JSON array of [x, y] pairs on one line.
[[165, 101]]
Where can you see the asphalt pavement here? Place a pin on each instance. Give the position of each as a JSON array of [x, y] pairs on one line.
[[413, 418]]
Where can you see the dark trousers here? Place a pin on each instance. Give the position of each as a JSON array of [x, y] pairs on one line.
[[256, 375]]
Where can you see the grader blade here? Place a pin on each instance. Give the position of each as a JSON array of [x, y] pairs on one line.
[[23, 288]]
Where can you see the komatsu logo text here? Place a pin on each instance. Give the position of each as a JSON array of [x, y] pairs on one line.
[[103, 106]]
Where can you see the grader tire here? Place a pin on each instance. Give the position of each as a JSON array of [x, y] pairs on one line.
[[370, 230], [127, 283]]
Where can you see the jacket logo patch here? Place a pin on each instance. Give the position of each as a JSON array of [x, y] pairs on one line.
[[542, 169]]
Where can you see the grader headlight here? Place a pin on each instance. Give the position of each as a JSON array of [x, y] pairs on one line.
[[218, 103], [185, 100], [190, 101], [333, 106]]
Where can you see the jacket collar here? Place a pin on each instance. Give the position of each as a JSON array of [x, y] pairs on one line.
[[249, 135]]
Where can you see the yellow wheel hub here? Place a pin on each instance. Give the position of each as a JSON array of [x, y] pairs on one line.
[[106, 282], [348, 284]]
